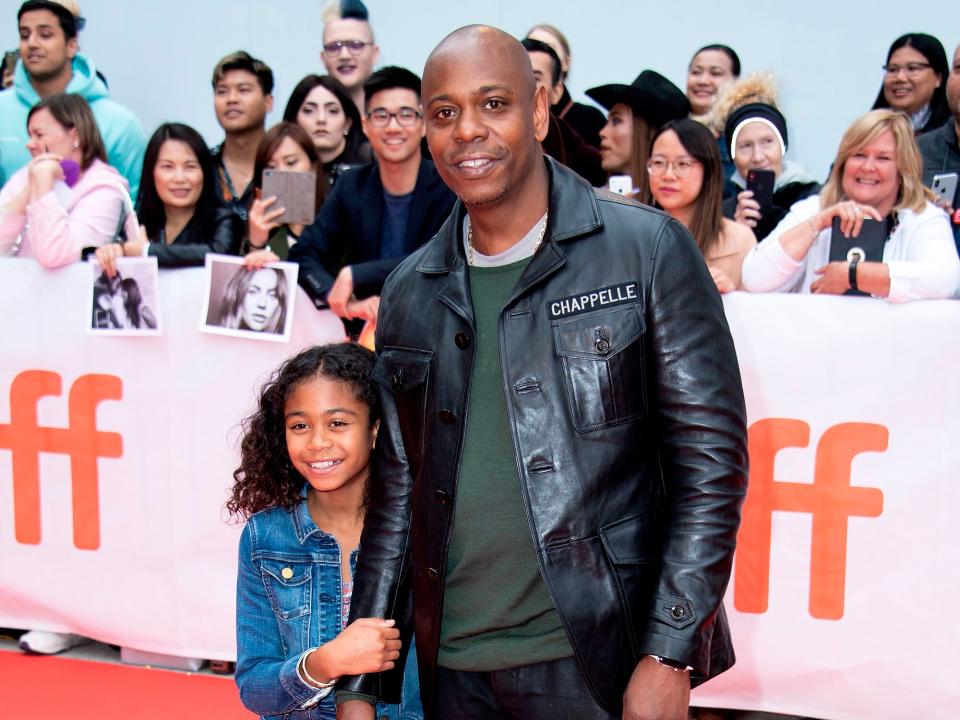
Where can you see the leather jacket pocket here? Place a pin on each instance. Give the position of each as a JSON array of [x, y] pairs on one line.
[[602, 358], [632, 546], [288, 587], [404, 373]]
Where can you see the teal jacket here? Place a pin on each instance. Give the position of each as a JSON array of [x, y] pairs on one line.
[[122, 135]]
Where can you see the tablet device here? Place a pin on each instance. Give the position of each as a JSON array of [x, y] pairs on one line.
[[865, 247], [296, 193]]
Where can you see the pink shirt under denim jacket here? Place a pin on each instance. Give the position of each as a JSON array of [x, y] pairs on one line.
[[57, 227]]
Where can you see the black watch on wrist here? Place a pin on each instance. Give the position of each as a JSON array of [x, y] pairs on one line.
[[852, 274]]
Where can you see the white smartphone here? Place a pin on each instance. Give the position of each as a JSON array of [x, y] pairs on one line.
[[620, 184], [945, 187]]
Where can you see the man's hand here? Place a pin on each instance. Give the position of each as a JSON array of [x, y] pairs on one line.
[[356, 710], [656, 692], [341, 293]]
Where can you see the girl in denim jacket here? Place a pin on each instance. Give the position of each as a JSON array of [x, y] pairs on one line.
[[302, 484]]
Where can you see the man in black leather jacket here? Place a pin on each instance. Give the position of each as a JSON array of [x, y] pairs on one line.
[[562, 457]]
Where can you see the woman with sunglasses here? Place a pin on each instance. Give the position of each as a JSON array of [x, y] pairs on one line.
[[914, 81], [686, 181]]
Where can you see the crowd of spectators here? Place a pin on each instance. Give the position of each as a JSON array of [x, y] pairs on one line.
[[80, 179]]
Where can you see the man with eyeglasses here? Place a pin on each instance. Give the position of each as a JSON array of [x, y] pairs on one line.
[[378, 214], [349, 52], [940, 149]]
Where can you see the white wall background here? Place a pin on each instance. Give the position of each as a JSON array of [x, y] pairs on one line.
[[158, 55]]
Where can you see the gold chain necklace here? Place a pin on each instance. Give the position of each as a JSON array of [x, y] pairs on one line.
[[471, 253]]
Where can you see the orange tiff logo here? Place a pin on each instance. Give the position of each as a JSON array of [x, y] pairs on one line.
[[830, 499], [81, 441]]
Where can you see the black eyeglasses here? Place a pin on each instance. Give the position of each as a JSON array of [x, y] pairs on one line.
[[406, 117], [354, 47], [911, 69]]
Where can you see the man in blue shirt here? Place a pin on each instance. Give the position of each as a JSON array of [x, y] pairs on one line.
[[50, 63], [378, 214]]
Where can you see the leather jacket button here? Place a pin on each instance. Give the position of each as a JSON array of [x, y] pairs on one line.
[[462, 340], [442, 496], [677, 612], [602, 343], [447, 417], [397, 379], [433, 574]]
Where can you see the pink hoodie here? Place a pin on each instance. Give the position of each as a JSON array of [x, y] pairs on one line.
[[59, 225]]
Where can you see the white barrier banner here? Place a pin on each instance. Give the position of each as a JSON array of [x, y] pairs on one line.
[[116, 456]]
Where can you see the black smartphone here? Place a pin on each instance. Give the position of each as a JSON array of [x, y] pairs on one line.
[[761, 183], [867, 246]]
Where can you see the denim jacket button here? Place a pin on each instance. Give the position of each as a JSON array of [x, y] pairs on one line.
[[677, 612], [286, 573]]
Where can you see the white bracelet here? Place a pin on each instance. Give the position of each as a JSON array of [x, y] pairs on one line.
[[310, 679]]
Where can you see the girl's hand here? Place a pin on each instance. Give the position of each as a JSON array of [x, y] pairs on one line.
[[748, 210], [367, 645], [262, 220], [256, 259], [851, 214]]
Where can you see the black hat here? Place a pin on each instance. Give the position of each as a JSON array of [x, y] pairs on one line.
[[650, 95], [755, 112], [353, 10]]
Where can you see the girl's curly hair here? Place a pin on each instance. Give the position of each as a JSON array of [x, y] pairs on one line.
[[266, 477]]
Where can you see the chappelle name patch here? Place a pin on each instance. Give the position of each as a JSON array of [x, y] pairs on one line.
[[593, 300]]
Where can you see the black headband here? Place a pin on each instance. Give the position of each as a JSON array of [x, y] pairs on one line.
[[71, 25]]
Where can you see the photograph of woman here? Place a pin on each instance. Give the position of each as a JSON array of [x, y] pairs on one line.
[[249, 302]]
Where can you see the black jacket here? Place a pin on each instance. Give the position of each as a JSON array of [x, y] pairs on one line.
[[224, 235], [348, 230], [940, 152], [627, 415], [585, 119]]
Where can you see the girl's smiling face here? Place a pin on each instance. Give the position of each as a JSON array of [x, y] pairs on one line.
[[329, 435]]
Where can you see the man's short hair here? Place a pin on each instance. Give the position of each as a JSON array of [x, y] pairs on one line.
[[388, 78], [69, 23], [541, 47], [242, 60]]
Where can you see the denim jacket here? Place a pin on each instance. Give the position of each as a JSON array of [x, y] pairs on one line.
[[288, 601]]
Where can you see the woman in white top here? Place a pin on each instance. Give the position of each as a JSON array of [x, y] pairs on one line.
[[876, 175]]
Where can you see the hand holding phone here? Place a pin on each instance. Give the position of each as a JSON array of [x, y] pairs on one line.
[[296, 193], [944, 186], [761, 183]]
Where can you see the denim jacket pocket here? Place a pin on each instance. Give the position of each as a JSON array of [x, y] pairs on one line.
[[288, 585], [602, 357]]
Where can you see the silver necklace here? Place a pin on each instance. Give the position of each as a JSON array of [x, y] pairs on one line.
[[471, 253]]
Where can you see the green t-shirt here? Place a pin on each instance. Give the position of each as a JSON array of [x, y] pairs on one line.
[[497, 612]]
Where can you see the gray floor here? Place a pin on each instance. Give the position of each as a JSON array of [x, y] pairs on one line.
[[95, 651]]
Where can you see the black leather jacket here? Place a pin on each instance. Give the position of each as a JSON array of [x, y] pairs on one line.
[[626, 409]]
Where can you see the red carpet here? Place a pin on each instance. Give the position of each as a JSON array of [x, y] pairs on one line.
[[41, 688]]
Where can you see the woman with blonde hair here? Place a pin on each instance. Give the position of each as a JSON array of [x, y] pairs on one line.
[[876, 175]]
